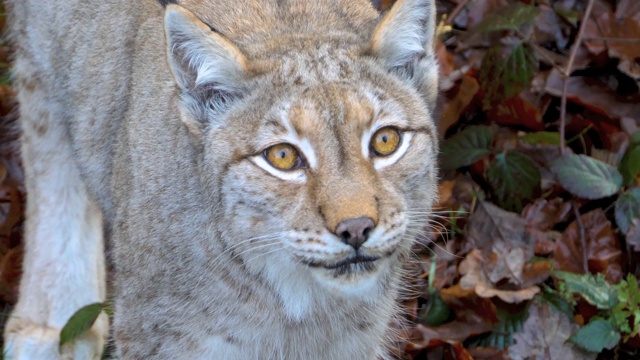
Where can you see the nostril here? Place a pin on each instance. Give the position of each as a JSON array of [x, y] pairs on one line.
[[355, 231]]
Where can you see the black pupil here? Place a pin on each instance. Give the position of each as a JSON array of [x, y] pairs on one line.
[[384, 138], [283, 154]]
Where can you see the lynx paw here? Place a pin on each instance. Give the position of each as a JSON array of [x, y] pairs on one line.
[[25, 340]]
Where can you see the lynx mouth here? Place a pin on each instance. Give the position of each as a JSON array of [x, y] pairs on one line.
[[352, 264]]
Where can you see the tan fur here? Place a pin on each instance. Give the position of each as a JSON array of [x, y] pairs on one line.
[[146, 120]]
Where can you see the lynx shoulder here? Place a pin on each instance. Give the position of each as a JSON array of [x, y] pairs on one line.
[[255, 170]]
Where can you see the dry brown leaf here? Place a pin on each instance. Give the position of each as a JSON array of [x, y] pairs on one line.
[[467, 305], [488, 353], [517, 111], [490, 224], [474, 276], [456, 105], [602, 247], [544, 214], [544, 335], [454, 332], [548, 28], [481, 8], [545, 241], [620, 34], [594, 96]]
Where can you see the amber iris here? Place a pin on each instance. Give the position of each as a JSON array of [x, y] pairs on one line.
[[282, 156], [385, 141]]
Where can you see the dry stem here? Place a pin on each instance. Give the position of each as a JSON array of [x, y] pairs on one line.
[[567, 73]]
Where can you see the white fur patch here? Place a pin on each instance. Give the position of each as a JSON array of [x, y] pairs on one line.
[[292, 175]]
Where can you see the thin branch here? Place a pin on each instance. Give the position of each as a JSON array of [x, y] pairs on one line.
[[583, 242], [611, 39], [567, 73]]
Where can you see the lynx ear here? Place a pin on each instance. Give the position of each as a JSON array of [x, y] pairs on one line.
[[404, 42], [209, 70]]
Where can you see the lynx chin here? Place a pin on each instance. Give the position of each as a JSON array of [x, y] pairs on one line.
[[246, 172]]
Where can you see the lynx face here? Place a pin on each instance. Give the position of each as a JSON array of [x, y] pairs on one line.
[[329, 180], [320, 160]]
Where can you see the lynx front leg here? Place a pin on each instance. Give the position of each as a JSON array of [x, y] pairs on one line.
[[64, 259]]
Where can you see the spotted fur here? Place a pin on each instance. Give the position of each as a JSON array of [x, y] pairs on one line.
[[145, 125]]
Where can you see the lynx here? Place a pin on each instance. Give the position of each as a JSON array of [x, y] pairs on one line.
[[249, 172]]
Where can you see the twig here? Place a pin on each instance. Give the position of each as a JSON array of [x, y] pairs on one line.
[[567, 73], [611, 39], [583, 242], [456, 11]]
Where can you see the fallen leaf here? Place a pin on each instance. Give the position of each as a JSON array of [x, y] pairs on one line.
[[451, 333], [467, 305], [481, 8], [594, 95], [456, 105], [620, 34], [548, 28], [544, 214], [474, 276], [602, 248], [544, 336], [490, 224], [516, 111]]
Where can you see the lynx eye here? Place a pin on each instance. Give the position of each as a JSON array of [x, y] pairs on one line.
[[283, 157], [385, 141]]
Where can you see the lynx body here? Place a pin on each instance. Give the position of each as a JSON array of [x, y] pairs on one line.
[[255, 168]]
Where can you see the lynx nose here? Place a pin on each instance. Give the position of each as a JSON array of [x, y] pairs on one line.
[[355, 231]]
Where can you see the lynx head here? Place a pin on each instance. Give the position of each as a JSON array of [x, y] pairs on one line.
[[318, 141]]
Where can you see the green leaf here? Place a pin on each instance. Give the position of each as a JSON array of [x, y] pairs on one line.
[[627, 209], [542, 137], [465, 148], [437, 311], [630, 164], [520, 67], [514, 178], [634, 140], [511, 17], [594, 289], [587, 177], [80, 322], [596, 336], [557, 301], [626, 315], [506, 71], [502, 334]]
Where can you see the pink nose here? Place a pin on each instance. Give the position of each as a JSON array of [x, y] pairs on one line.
[[355, 231]]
